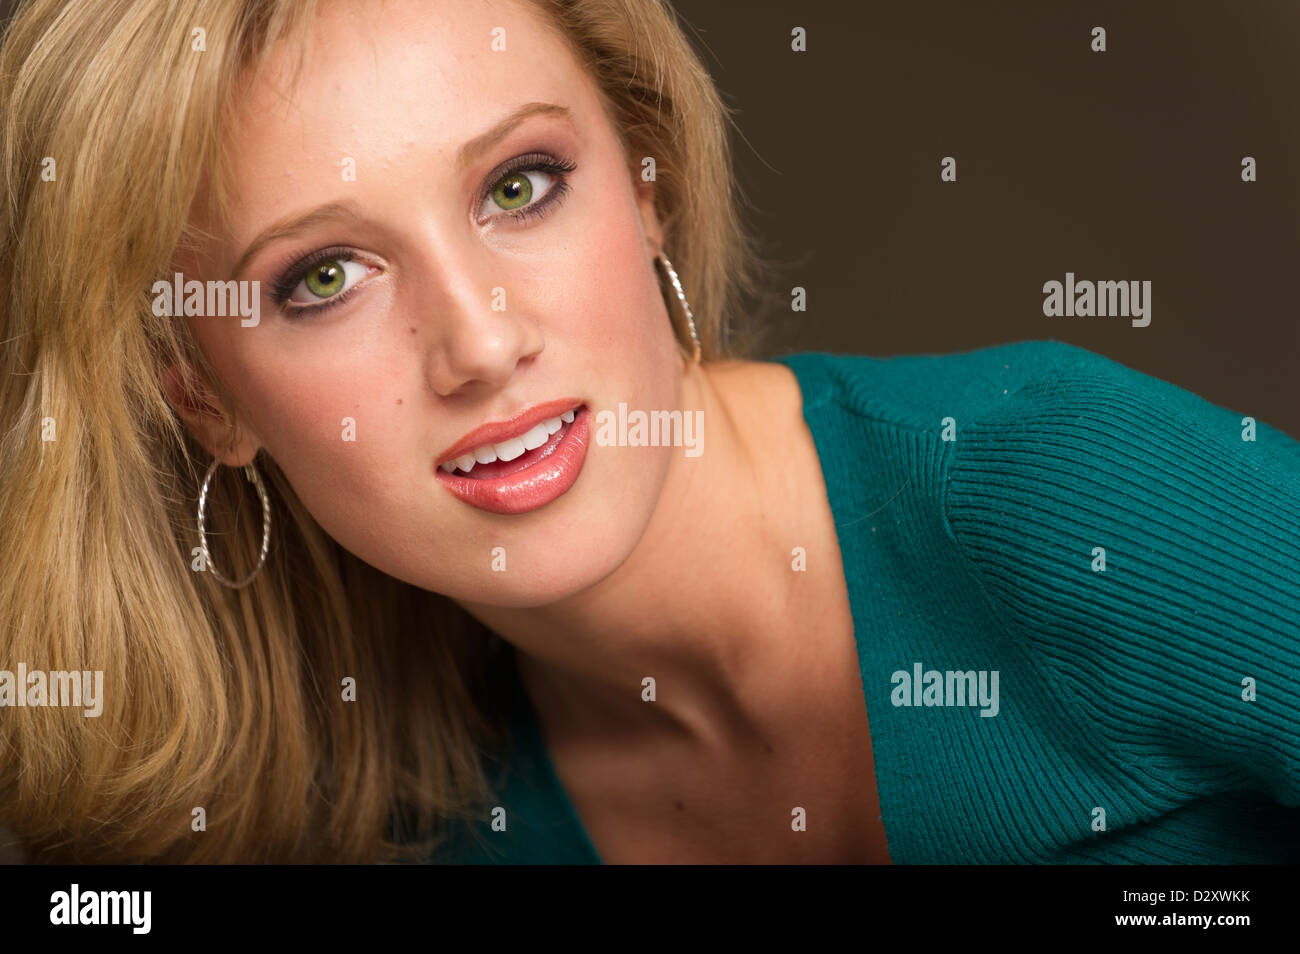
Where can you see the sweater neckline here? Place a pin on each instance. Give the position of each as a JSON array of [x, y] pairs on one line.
[[812, 396], [528, 726]]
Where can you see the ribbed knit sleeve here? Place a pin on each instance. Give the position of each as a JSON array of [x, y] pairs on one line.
[[1146, 560]]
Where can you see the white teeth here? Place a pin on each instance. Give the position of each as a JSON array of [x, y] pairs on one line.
[[509, 450], [536, 436]]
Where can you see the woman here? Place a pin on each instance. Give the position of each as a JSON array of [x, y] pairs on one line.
[[504, 551]]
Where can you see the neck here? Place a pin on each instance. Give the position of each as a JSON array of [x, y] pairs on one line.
[[694, 605]]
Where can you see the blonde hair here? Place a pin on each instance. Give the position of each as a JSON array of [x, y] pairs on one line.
[[229, 700]]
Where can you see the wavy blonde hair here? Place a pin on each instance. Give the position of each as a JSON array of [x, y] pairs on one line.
[[224, 699]]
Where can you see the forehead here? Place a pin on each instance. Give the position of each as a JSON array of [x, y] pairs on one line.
[[391, 82]]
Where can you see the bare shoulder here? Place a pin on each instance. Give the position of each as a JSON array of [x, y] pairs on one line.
[[767, 387]]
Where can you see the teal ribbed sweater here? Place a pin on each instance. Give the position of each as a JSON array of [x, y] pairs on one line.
[[974, 495]]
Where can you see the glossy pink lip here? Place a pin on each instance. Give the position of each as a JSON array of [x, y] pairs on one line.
[[543, 480], [494, 432]]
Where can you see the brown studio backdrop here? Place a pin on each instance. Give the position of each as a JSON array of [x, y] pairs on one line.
[[1117, 166]]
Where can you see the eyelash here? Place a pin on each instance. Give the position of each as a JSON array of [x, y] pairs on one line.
[[293, 273]]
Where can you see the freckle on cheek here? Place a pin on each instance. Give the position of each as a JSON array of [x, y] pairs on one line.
[[399, 400], [412, 331]]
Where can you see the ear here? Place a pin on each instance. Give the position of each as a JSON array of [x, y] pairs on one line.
[[645, 201], [207, 420]]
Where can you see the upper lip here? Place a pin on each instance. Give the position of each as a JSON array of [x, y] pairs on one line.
[[495, 432]]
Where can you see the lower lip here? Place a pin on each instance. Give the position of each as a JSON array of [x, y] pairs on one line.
[[534, 486]]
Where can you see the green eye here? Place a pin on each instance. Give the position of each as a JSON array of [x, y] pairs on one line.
[[326, 279], [513, 191]]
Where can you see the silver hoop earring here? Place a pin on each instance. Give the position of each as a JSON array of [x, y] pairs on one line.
[[681, 296], [253, 477]]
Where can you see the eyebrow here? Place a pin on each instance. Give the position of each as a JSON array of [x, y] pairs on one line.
[[485, 141], [348, 208], [330, 211]]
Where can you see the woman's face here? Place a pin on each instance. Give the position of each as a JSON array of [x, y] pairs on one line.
[[434, 310]]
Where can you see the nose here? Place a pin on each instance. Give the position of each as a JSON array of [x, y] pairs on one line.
[[481, 335]]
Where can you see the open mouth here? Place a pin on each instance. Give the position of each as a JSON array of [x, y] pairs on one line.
[[509, 457], [512, 477]]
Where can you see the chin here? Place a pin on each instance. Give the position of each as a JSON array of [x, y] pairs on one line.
[[572, 544], [550, 578]]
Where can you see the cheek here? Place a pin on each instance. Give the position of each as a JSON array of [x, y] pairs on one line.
[[626, 331], [603, 279], [339, 447]]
